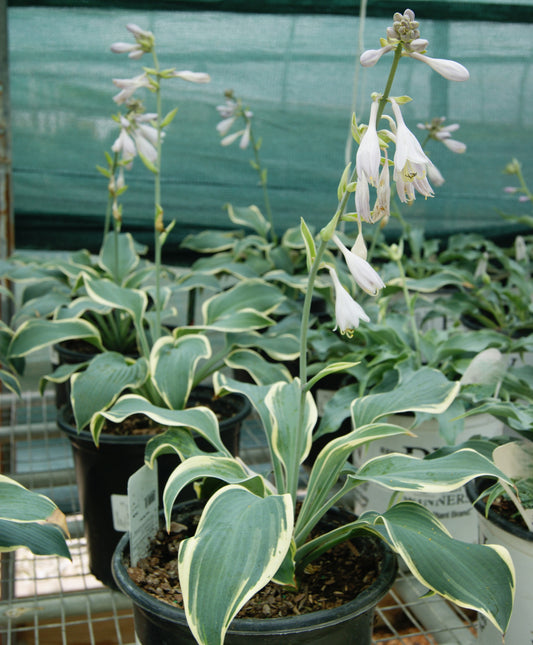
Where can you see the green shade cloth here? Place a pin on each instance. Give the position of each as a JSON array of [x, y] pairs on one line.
[[297, 73]]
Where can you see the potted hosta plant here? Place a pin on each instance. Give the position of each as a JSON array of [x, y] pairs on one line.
[[166, 366], [256, 529]]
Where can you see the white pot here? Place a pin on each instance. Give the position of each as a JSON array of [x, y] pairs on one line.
[[519, 543], [453, 508]]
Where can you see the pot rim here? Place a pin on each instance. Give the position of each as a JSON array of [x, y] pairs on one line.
[[473, 489], [243, 409], [365, 601]]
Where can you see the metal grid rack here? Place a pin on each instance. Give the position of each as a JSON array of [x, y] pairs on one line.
[[52, 601]]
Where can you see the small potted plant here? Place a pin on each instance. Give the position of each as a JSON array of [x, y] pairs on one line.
[[256, 529]]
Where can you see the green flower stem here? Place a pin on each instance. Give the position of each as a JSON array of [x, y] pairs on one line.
[[109, 207], [410, 302], [388, 86], [262, 181], [158, 211]]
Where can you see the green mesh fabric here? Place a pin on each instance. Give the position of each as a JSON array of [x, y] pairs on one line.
[[297, 71]]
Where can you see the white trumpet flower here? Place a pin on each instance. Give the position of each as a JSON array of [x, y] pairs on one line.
[[365, 276], [450, 69], [369, 154], [348, 313]]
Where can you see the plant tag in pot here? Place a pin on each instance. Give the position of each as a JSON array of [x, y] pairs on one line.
[[143, 511]]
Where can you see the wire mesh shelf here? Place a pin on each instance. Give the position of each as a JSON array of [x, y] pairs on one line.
[[49, 600]]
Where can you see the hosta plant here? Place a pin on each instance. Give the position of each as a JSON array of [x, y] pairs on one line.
[[257, 515]]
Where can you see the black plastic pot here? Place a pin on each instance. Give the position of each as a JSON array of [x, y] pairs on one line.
[[104, 471], [159, 623]]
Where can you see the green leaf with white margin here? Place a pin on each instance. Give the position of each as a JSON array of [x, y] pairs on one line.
[[174, 441], [30, 519], [238, 321], [309, 241], [118, 256], [133, 301], [474, 576], [249, 216], [173, 364], [290, 446], [198, 467], [96, 388], [332, 368], [263, 372], [431, 283], [278, 345], [61, 374], [261, 531], [76, 308], [40, 539], [210, 241], [10, 381], [37, 333], [328, 467], [426, 390], [250, 296], [292, 238], [200, 419], [408, 473]]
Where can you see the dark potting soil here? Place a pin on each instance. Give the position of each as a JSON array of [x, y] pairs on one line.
[[504, 507], [335, 578]]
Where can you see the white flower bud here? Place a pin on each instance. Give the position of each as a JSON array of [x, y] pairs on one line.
[[450, 69], [192, 77], [371, 56]]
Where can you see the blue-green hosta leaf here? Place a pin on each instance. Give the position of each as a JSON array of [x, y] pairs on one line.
[[174, 441], [23, 505], [263, 372], [223, 468], [225, 263], [337, 409], [250, 295], [210, 241], [200, 419], [426, 390], [10, 381], [295, 281], [332, 368], [173, 365], [133, 301], [404, 472], [327, 469], [43, 306], [61, 374], [36, 334], [249, 216], [261, 531], [197, 280], [475, 576], [236, 321], [118, 256], [278, 345], [41, 539], [290, 446], [292, 238], [76, 308], [97, 387], [431, 283]]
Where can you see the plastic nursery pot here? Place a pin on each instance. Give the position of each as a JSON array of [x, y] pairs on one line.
[[102, 478], [159, 623], [496, 529]]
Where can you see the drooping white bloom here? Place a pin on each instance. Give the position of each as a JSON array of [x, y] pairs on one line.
[[138, 32], [134, 50], [381, 208], [124, 144], [347, 312], [371, 56], [435, 175], [369, 154], [359, 247], [365, 276], [192, 77], [144, 42], [410, 161], [450, 69], [362, 199], [128, 86]]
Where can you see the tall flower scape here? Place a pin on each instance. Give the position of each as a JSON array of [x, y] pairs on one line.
[[256, 515]]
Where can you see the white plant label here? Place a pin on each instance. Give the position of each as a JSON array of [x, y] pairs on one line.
[[143, 511]]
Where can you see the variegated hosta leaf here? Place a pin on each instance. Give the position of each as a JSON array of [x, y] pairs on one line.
[[133, 301], [242, 320], [250, 295], [177, 441], [426, 390], [61, 374], [37, 333], [97, 387], [118, 256], [263, 372], [210, 241], [260, 530], [200, 419], [332, 368], [475, 576], [328, 467], [222, 468], [30, 519], [337, 409], [404, 472], [249, 216], [173, 366], [279, 345], [431, 283], [290, 444], [76, 308]]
